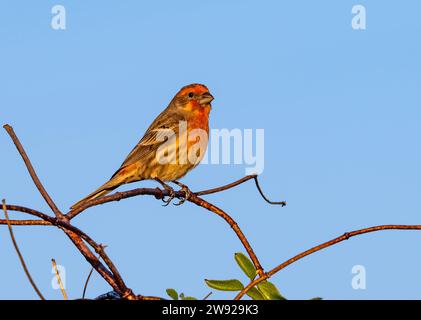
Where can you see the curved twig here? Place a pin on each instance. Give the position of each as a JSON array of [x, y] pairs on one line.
[[86, 283], [238, 182], [31, 171], [225, 187], [282, 203], [22, 261], [30, 211], [159, 194], [204, 204], [319, 247]]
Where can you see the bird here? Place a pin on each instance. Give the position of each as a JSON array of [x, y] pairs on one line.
[[166, 152]]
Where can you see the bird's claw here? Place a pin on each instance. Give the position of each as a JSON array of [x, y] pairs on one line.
[[169, 190], [187, 195], [170, 197]]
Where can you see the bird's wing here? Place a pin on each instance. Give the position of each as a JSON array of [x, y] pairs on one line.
[[159, 131]]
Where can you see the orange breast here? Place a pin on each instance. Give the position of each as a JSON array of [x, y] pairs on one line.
[[199, 118]]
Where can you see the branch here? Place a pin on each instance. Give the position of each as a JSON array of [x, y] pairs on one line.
[[86, 283], [282, 203], [47, 220], [193, 197], [60, 283], [26, 222], [113, 278], [78, 237], [204, 204], [238, 182], [225, 187], [31, 171], [322, 246], [159, 194], [67, 227], [22, 261], [32, 212]]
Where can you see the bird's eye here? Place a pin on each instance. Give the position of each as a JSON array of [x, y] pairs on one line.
[[191, 94]]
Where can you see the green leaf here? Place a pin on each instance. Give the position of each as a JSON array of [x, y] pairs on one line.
[[246, 265], [269, 291], [225, 285], [255, 294], [183, 297], [189, 298], [172, 293]]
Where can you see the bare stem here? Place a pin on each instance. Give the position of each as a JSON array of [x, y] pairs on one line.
[[321, 246], [60, 283], [22, 261], [31, 171], [238, 182], [86, 282]]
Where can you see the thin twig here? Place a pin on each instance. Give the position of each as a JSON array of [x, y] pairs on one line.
[[89, 276], [282, 203], [207, 296], [238, 182], [26, 222], [32, 212], [60, 283], [45, 222], [159, 194], [86, 283], [31, 171], [225, 187], [113, 278], [319, 247], [22, 261]]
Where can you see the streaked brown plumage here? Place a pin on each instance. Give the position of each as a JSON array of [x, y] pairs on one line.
[[190, 107]]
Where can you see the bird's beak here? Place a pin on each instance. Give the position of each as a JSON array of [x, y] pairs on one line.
[[205, 98]]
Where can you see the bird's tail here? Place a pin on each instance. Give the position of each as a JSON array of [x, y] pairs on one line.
[[123, 175], [101, 191]]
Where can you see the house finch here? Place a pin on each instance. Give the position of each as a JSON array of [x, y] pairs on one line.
[[173, 144]]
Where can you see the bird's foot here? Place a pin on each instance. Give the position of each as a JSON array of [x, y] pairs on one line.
[[187, 193], [169, 190]]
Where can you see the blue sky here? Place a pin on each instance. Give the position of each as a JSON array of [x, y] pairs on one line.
[[340, 109]]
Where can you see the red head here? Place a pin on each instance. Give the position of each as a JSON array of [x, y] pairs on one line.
[[194, 95]]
